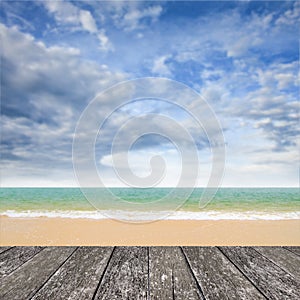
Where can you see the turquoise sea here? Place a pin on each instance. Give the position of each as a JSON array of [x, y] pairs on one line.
[[228, 203]]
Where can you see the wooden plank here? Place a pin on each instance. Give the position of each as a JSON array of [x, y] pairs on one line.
[[294, 249], [126, 276], [170, 276], [78, 277], [287, 260], [217, 276], [3, 249], [14, 258], [270, 279], [27, 279]]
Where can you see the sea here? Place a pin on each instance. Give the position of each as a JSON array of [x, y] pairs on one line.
[[228, 204]]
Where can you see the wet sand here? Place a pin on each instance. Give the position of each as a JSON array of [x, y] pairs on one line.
[[59, 231]]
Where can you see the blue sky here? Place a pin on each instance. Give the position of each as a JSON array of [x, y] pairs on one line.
[[242, 57]]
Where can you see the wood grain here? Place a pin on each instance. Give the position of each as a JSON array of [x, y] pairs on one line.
[[26, 280], [15, 257], [217, 276], [3, 249], [126, 276], [183, 273], [288, 261], [78, 277], [294, 249], [270, 279], [170, 275]]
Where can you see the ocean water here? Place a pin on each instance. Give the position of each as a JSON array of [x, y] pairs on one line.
[[228, 203]]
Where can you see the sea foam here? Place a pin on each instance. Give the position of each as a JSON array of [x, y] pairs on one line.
[[148, 216]]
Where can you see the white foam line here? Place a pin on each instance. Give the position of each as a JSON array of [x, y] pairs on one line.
[[147, 216]]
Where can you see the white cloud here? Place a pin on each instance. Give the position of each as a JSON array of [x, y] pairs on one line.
[[131, 15], [105, 43], [285, 80], [131, 20], [63, 11], [160, 66], [240, 64], [235, 34], [87, 21], [279, 75], [139, 163], [66, 13], [45, 90], [290, 17]]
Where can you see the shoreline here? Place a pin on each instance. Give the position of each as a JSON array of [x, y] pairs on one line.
[[62, 232], [146, 216]]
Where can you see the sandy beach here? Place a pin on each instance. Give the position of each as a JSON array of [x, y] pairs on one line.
[[59, 231]]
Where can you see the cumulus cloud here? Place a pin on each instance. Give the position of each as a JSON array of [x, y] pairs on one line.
[[245, 65], [44, 90], [139, 162], [264, 98], [160, 66], [133, 19], [234, 36], [129, 15], [87, 21], [247, 85], [271, 103], [41, 71], [290, 16], [105, 43], [66, 13], [63, 11]]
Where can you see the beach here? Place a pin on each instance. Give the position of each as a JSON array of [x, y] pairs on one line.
[[62, 216], [60, 231]]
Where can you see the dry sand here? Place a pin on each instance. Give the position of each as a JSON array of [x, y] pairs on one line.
[[59, 231]]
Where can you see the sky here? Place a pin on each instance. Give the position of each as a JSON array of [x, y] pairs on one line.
[[242, 57]]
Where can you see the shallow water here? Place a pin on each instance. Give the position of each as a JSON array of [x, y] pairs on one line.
[[228, 203]]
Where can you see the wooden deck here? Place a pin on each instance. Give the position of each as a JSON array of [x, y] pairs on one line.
[[149, 273]]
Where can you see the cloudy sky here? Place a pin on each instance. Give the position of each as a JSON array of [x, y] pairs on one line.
[[242, 57]]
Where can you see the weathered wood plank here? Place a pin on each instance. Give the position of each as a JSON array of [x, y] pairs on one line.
[[217, 276], [126, 276], [288, 261], [170, 276], [3, 249], [14, 258], [27, 279], [270, 279], [294, 249], [153, 273], [78, 277]]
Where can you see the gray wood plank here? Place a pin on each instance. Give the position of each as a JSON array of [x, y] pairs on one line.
[[126, 276], [3, 249], [270, 279], [294, 249], [78, 277], [27, 279], [287, 260], [14, 258], [217, 276], [170, 276]]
